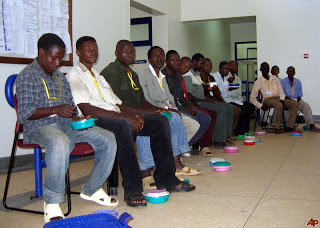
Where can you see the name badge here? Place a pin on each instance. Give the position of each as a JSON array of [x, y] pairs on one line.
[[269, 92]]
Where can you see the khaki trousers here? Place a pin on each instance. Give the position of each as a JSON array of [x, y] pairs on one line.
[[292, 107], [304, 107]]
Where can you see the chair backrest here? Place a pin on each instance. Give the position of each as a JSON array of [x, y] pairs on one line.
[[12, 99], [8, 89]]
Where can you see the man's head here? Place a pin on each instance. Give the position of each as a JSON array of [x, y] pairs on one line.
[[233, 66], [291, 71], [87, 50], [197, 62], [125, 52], [207, 66], [172, 60], [264, 68], [275, 70], [156, 57], [51, 50], [185, 65], [223, 69]]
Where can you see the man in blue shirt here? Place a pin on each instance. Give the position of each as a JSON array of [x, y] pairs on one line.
[[292, 88]]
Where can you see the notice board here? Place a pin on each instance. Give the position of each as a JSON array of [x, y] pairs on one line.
[[22, 22]]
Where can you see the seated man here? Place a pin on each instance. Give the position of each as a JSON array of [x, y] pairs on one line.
[[193, 83], [275, 71], [228, 74], [173, 78], [95, 97], [292, 88], [125, 84], [206, 140], [273, 97], [46, 108]]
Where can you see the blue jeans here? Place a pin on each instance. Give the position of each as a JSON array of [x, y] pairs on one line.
[[59, 140], [178, 140], [204, 121]]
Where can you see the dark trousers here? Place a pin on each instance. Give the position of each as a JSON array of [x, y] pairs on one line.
[[158, 128], [243, 125], [207, 137], [204, 121]]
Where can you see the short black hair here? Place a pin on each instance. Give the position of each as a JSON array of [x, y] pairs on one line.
[[83, 39], [122, 43], [222, 63], [151, 50], [275, 66], [197, 57], [171, 52], [48, 40]]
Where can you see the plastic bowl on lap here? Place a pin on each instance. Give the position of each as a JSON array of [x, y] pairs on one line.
[[231, 149], [82, 124], [234, 85]]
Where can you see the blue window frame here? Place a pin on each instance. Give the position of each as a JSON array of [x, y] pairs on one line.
[[143, 20]]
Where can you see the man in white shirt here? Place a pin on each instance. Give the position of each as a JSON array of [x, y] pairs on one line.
[[235, 98]]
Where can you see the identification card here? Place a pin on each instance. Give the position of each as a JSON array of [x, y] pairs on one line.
[[269, 92]]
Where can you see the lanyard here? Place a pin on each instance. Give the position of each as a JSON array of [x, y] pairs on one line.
[[47, 91], [292, 88], [133, 85], [96, 84], [204, 83], [161, 82], [269, 83]]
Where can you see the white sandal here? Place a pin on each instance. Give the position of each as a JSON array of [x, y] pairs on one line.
[[52, 210], [101, 198]]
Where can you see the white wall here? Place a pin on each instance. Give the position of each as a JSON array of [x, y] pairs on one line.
[[242, 32], [106, 20], [285, 31]]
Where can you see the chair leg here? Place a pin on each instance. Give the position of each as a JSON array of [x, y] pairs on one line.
[[112, 182], [68, 193], [37, 172], [4, 201]]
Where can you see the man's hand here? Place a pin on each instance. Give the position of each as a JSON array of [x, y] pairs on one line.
[[65, 110], [298, 99], [136, 121], [231, 79], [190, 110], [264, 108], [233, 88]]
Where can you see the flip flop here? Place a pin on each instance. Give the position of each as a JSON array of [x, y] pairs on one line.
[[129, 198], [187, 171], [100, 197], [149, 183], [52, 212], [185, 187], [205, 151]]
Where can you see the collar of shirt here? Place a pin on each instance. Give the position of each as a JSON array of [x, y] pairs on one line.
[[271, 77], [40, 72], [154, 72]]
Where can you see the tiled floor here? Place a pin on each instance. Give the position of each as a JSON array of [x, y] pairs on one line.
[[274, 183]]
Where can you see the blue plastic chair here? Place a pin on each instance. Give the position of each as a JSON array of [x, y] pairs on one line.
[[79, 150]]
